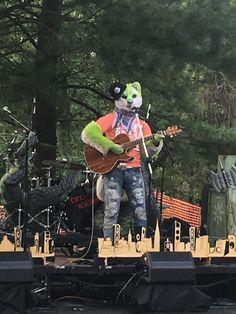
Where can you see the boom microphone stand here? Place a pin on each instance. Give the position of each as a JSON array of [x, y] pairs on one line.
[[149, 171], [149, 161], [26, 183], [144, 146], [167, 155], [153, 212]]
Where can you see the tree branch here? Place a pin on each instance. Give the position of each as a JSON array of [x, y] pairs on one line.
[[13, 49], [24, 30], [91, 89], [92, 15], [86, 106]]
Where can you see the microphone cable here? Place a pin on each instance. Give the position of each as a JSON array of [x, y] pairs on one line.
[[92, 220]]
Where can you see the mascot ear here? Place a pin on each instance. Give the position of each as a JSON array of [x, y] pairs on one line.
[[116, 90], [137, 86]]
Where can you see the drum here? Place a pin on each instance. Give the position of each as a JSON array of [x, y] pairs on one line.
[[78, 208]]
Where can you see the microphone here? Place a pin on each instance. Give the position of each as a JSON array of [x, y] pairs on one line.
[[148, 111], [5, 108]]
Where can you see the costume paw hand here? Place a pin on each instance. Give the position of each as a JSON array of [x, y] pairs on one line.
[[158, 137], [117, 149]]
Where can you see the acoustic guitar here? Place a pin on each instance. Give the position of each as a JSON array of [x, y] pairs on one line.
[[101, 164]]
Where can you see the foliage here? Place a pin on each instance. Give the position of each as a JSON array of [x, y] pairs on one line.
[[182, 52]]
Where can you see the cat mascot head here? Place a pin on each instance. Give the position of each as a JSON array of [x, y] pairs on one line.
[[127, 97]]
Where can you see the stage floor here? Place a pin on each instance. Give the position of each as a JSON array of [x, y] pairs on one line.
[[66, 269], [227, 307]]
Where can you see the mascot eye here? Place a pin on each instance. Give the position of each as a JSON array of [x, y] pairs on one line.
[[134, 96], [124, 96]]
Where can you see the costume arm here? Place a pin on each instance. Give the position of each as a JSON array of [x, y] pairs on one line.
[[93, 136], [154, 145]]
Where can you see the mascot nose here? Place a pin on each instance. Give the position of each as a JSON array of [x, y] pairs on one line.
[[130, 101]]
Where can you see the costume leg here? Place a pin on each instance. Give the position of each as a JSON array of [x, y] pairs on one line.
[[113, 182], [134, 185]]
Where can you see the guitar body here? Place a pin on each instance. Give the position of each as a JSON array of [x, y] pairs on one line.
[[98, 163]]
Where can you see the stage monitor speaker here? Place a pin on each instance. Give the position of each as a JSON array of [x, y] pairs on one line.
[[16, 267], [167, 267]]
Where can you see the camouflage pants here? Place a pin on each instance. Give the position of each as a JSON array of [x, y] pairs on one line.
[[131, 180]]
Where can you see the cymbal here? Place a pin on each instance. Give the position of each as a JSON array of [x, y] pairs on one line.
[[65, 164]]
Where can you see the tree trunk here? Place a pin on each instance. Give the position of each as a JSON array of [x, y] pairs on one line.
[[44, 115]]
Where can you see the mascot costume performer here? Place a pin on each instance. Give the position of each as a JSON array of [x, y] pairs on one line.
[[125, 176]]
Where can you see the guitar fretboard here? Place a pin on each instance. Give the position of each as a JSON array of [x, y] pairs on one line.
[[132, 144]]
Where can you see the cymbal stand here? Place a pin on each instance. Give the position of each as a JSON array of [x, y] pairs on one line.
[[48, 209], [34, 219], [26, 185], [60, 223], [87, 173], [19, 211], [45, 210], [7, 152]]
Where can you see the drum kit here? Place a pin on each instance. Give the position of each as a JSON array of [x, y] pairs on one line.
[[75, 213], [57, 219], [72, 214]]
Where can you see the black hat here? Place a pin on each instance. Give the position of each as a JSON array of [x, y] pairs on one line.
[[117, 89]]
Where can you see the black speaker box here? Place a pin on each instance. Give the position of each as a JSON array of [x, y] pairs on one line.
[[167, 267], [16, 267]]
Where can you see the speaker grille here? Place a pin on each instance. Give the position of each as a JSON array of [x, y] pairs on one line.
[[16, 267]]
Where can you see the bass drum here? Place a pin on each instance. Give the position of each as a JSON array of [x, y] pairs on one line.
[[78, 208]]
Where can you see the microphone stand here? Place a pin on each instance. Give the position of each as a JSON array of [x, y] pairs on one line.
[[167, 153], [148, 160], [17, 121], [26, 181], [26, 192], [7, 150], [144, 147], [152, 210], [150, 171]]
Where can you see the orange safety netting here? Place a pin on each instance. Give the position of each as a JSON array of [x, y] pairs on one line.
[[175, 208]]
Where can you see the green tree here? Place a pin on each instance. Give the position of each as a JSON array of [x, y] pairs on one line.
[[66, 53]]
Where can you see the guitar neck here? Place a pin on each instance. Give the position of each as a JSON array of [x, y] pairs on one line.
[[132, 144]]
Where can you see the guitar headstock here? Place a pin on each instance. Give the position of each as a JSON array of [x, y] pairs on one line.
[[173, 131]]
